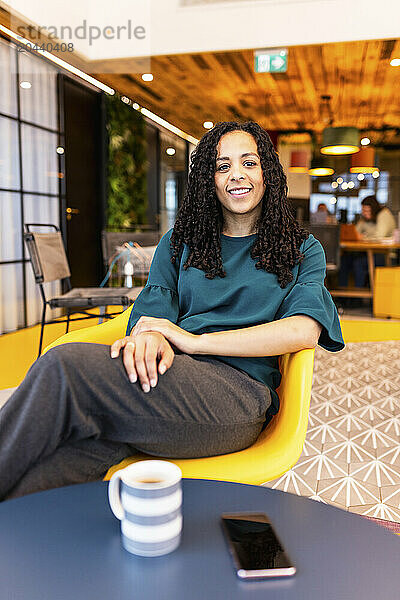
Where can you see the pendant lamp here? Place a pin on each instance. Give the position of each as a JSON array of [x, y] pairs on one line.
[[363, 161], [298, 161], [321, 166], [340, 140]]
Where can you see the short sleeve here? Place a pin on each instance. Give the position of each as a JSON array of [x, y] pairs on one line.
[[159, 297], [310, 297]]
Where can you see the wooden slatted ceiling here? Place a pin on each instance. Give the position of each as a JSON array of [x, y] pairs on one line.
[[190, 88]]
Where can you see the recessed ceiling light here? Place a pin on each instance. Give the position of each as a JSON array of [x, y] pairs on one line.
[[365, 141], [334, 184], [208, 124], [26, 85], [395, 62], [350, 184], [344, 185], [339, 180], [333, 200], [125, 100], [60, 150], [136, 106], [170, 151], [375, 174], [360, 176], [147, 77]]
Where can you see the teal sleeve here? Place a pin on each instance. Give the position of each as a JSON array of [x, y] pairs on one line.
[[310, 297], [159, 297]]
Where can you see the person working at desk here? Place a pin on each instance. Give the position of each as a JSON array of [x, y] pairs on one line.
[[376, 222], [322, 216], [236, 283]]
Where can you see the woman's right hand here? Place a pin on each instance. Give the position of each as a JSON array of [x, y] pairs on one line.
[[140, 354]]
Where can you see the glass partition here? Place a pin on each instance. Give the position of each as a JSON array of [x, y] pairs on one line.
[[29, 175], [9, 154], [38, 91], [8, 96]]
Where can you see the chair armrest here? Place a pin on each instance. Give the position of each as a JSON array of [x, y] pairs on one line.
[[105, 333]]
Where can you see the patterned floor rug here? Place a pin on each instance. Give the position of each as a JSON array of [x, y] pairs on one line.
[[351, 457]]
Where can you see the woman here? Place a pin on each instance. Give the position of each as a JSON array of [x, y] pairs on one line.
[[376, 222], [233, 285]]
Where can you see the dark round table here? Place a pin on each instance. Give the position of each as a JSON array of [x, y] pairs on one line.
[[65, 544]]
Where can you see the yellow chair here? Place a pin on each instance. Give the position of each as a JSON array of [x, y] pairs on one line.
[[278, 447]]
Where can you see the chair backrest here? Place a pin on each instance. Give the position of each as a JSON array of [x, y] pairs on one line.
[[47, 254], [329, 236], [111, 240], [349, 233]]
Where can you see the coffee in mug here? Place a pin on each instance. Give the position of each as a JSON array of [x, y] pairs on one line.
[[147, 498]]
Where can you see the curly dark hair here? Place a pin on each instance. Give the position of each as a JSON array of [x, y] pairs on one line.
[[374, 204], [199, 220]]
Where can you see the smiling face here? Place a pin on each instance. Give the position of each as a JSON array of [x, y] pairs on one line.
[[239, 181]]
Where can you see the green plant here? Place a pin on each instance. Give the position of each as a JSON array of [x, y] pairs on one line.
[[127, 165]]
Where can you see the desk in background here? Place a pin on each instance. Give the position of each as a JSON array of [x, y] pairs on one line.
[[370, 247]]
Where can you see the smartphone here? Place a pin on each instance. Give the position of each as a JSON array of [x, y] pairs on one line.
[[254, 546]]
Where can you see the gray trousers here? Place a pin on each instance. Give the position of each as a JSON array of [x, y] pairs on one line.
[[76, 414]]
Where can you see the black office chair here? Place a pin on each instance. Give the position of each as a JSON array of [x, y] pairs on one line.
[[49, 263], [329, 236]]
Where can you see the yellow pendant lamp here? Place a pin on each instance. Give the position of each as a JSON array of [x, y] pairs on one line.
[[340, 140], [321, 166], [364, 161]]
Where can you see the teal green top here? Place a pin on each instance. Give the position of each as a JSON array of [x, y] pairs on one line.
[[245, 297]]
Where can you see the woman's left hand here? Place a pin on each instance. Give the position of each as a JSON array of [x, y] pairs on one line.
[[183, 340]]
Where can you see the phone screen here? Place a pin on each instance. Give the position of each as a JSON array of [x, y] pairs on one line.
[[256, 550]]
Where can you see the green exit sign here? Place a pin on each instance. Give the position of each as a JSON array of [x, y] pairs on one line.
[[272, 60]]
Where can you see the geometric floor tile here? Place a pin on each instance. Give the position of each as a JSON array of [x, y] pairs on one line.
[[351, 456], [391, 495], [351, 400], [349, 423], [390, 456], [320, 466], [292, 482], [347, 491], [387, 385], [375, 438], [349, 451], [375, 472], [327, 409], [391, 426], [390, 403], [309, 448], [369, 393], [372, 413], [323, 432], [313, 418], [379, 511]]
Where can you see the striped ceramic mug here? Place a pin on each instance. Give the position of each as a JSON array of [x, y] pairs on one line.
[[147, 498]]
